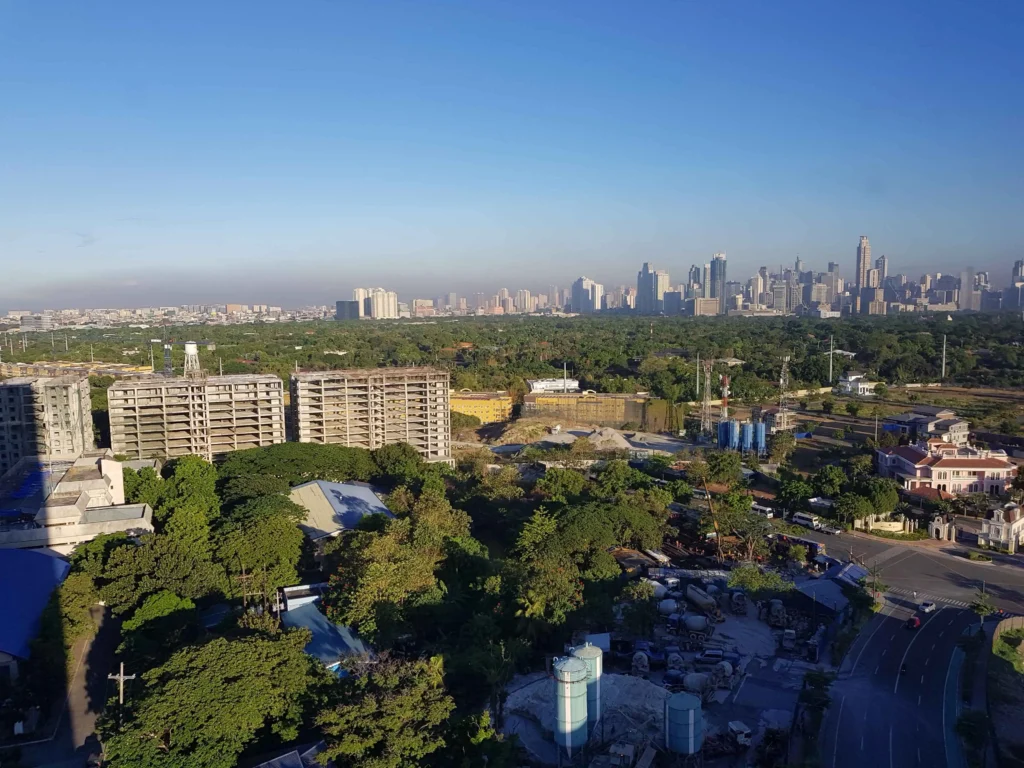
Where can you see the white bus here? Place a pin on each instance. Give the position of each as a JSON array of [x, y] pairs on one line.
[[761, 510], [807, 520]]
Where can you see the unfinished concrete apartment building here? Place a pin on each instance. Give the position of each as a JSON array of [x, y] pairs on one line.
[[371, 407], [44, 418], [205, 416]]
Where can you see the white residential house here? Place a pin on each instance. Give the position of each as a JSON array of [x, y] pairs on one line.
[[856, 384], [1002, 528]]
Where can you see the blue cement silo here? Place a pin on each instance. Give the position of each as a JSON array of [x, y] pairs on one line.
[[570, 703]]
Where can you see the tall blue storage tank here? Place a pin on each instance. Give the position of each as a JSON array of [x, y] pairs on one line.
[[684, 724], [734, 435], [723, 434], [760, 438], [746, 436]]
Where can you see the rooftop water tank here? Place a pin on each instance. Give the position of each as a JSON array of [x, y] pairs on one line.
[[684, 724], [570, 703], [593, 657]]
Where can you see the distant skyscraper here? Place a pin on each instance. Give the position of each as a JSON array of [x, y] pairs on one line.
[[361, 295], [798, 265], [705, 282], [1018, 270], [647, 290], [882, 265], [718, 280], [874, 278], [523, 300], [694, 275], [586, 296], [863, 262], [833, 266]]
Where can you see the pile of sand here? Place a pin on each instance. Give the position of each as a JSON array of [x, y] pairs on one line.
[[608, 439]]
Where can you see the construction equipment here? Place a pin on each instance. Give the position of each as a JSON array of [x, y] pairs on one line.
[[789, 639], [777, 614], [641, 665], [738, 602], [739, 733], [704, 601]]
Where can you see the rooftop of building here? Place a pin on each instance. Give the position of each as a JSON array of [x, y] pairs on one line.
[[388, 372], [156, 382], [466, 394], [335, 507]]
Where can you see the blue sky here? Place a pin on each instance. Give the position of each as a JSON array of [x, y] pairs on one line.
[[285, 152]]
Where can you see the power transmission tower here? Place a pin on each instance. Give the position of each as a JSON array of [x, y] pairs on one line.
[[783, 421]]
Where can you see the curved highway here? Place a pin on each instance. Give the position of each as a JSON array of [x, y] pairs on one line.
[[885, 719]]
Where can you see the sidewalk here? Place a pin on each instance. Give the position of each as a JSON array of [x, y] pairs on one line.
[[979, 688]]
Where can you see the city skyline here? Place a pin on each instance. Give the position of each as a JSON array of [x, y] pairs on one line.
[[294, 167]]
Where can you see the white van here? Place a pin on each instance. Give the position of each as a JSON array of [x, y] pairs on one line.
[[807, 520], [765, 511], [700, 493]]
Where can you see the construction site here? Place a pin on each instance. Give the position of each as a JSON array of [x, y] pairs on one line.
[[715, 676], [369, 408], [208, 416]]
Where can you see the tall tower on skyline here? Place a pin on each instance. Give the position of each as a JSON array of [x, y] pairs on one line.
[[882, 265], [863, 262], [651, 285], [718, 280]]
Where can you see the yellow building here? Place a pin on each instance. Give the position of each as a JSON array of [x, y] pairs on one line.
[[606, 409], [489, 407]]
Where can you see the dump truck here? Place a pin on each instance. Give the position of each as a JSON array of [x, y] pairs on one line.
[[704, 601]]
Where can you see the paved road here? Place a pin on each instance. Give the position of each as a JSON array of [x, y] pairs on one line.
[[934, 574], [885, 719]]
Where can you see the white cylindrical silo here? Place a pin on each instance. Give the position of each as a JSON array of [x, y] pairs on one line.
[[570, 703], [593, 657]]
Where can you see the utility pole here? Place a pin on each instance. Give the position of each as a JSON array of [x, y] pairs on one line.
[[120, 677], [830, 354], [152, 361], [943, 377], [221, 362], [698, 374]]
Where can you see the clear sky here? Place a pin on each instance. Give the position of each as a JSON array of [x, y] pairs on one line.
[[283, 152]]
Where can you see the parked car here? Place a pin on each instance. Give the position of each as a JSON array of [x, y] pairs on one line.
[[927, 607], [709, 656], [831, 530]]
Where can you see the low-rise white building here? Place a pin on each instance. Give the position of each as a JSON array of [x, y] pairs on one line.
[[856, 384], [60, 506]]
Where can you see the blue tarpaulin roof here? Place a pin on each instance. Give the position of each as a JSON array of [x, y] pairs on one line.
[[27, 579], [330, 642]]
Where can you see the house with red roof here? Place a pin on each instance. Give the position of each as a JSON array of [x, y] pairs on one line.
[[946, 468]]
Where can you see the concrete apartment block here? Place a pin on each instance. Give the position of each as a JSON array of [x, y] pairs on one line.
[[205, 416], [48, 418], [368, 408]]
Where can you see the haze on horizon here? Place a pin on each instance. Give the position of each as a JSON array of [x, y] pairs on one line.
[[284, 153]]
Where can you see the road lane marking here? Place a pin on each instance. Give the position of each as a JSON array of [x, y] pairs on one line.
[[933, 647], [839, 727], [927, 660], [919, 699], [942, 633], [878, 668], [917, 634], [868, 640], [862, 743], [884, 652], [919, 754], [922, 679]]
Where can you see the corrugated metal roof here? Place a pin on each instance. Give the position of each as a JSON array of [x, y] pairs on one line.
[[27, 579], [334, 507], [331, 642]]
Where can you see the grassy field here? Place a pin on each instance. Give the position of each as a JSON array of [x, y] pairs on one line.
[[1006, 696]]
